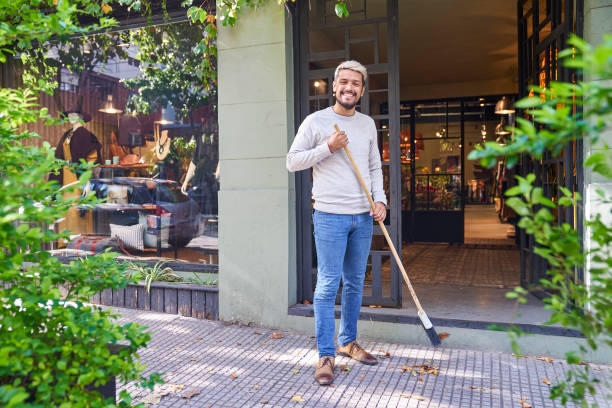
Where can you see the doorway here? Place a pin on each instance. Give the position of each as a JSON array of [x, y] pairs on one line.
[[432, 92]]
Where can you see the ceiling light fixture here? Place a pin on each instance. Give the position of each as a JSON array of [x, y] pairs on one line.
[[504, 106], [108, 106], [500, 129]]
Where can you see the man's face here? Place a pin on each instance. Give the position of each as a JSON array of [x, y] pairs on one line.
[[348, 88], [74, 117]]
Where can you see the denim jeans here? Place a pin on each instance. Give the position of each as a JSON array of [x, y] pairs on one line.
[[343, 245]]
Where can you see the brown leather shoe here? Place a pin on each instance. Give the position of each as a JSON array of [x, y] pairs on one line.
[[324, 374], [355, 351]]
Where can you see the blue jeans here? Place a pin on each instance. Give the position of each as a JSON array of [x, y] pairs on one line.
[[343, 245]]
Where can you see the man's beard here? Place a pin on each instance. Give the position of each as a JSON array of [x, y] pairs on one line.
[[347, 106]]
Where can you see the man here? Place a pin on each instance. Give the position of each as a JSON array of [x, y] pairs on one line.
[[342, 218]]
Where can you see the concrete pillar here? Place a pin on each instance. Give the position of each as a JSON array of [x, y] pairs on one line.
[[257, 197], [597, 22]]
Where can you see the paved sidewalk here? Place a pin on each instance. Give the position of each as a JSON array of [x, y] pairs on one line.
[[238, 366]]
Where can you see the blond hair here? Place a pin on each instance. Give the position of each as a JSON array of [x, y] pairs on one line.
[[353, 66]]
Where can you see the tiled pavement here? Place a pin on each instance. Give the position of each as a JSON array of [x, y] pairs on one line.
[[239, 366], [436, 263]]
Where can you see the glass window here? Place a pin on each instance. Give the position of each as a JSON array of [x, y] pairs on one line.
[[138, 107]]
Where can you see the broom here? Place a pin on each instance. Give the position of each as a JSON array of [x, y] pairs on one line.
[[427, 325]]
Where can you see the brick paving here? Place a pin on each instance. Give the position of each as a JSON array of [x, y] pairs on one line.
[[457, 264], [240, 366]]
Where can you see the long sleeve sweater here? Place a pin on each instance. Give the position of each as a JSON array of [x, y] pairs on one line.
[[336, 188]]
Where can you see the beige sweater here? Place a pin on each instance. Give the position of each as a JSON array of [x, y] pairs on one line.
[[336, 188]]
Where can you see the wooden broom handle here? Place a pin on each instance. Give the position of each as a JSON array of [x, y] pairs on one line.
[[382, 226]]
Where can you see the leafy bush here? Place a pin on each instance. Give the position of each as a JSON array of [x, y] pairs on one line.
[[552, 124], [53, 347], [150, 274]]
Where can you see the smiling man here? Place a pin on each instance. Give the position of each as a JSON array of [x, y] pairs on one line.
[[342, 216]]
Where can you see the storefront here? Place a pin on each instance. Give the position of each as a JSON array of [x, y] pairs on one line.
[[295, 55]]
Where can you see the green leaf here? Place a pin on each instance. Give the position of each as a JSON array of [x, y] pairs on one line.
[[529, 102], [601, 162], [518, 205], [341, 10]]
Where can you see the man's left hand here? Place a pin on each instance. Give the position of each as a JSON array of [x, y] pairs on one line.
[[380, 212]]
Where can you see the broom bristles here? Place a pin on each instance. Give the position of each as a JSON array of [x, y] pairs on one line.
[[429, 329], [433, 336]]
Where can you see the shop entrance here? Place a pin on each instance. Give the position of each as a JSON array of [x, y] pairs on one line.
[[433, 93]]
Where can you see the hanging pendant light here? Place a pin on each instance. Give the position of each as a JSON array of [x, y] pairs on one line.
[[108, 107], [504, 106], [501, 132], [500, 129]]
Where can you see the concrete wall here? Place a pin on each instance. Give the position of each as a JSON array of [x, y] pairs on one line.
[[256, 200], [257, 249], [597, 22]]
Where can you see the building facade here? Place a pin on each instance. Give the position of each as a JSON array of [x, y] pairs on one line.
[[264, 73]]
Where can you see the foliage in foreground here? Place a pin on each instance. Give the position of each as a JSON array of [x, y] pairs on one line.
[[551, 126], [53, 348]]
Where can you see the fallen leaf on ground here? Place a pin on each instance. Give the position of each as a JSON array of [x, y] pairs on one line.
[[443, 335], [545, 381], [344, 368], [193, 359], [219, 341], [362, 376], [473, 387], [257, 333], [177, 349], [190, 392], [264, 402], [152, 398], [176, 387], [405, 368], [297, 398], [524, 403], [296, 371], [233, 376], [374, 306], [421, 379], [418, 397], [547, 359], [256, 387], [277, 336]]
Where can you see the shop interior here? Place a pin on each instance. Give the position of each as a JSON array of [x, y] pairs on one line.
[[155, 144], [452, 72], [458, 77]]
